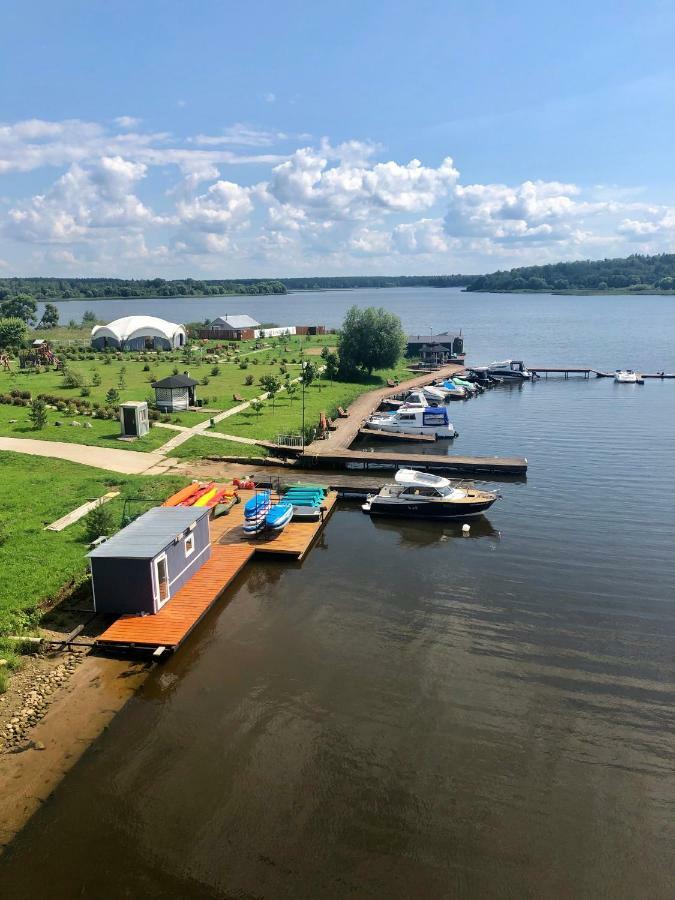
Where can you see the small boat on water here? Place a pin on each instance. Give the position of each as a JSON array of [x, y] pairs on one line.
[[421, 495], [431, 392], [414, 420], [510, 368], [628, 376]]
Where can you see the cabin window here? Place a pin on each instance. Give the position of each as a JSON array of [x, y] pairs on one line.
[[406, 417], [162, 572], [189, 544]]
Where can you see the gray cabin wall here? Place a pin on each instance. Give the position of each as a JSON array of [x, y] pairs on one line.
[[182, 567], [122, 585]]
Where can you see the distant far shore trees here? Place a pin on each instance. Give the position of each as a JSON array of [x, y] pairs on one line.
[[633, 273]]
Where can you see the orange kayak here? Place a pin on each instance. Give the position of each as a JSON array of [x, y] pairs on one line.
[[182, 494], [203, 489]]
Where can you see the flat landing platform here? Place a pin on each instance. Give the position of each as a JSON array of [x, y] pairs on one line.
[[172, 624], [295, 540]]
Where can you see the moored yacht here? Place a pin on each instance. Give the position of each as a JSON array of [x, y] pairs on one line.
[[414, 420], [421, 495], [628, 376], [510, 368]]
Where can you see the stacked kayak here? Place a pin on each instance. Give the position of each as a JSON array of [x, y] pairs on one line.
[[306, 500], [279, 515], [255, 512]]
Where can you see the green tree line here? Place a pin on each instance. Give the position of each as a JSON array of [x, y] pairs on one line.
[[44, 289], [633, 273]]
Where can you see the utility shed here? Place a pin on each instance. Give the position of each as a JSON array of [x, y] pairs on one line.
[[141, 567]]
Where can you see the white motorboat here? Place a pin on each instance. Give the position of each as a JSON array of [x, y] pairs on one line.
[[414, 420], [421, 495], [417, 398], [510, 368], [628, 376], [431, 392]]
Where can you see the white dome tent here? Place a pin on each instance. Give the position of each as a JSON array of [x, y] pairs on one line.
[[139, 333]]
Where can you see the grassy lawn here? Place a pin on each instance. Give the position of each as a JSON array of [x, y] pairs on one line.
[[198, 447], [131, 374], [286, 417], [35, 564], [103, 432]]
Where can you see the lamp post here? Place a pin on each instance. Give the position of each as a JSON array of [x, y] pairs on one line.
[[302, 380]]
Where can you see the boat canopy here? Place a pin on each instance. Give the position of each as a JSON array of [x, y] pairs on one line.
[[412, 478]]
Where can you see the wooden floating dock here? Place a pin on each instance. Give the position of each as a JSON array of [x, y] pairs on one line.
[[460, 465], [587, 371], [231, 549], [171, 625]]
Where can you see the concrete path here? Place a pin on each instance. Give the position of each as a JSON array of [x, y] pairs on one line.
[[126, 462]]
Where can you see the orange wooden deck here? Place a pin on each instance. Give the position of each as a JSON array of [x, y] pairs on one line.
[[231, 549], [172, 624]]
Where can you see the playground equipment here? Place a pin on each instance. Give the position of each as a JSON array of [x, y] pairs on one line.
[[40, 354]]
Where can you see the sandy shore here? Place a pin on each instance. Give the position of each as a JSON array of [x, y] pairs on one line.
[[80, 710]]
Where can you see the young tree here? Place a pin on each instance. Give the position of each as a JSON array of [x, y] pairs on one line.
[[112, 396], [12, 332], [96, 379], [308, 373], [272, 385], [23, 306], [50, 317], [370, 339], [257, 406], [98, 523], [89, 318], [38, 413], [291, 390], [331, 366]]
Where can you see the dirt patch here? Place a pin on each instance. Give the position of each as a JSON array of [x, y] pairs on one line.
[[317, 351]]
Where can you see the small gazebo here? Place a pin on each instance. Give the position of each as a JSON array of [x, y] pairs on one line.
[[175, 392]]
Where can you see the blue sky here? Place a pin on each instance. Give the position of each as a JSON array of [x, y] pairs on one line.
[[228, 139]]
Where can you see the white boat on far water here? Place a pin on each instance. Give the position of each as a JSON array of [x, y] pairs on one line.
[[628, 376], [510, 368]]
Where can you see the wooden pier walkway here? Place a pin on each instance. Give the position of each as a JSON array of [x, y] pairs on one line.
[[461, 465], [391, 436], [231, 549], [173, 623], [566, 371]]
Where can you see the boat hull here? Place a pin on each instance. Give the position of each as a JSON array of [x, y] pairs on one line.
[[435, 511]]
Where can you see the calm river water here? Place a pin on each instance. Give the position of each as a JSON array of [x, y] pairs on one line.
[[412, 713]]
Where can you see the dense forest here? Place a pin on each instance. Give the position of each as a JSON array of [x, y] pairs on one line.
[[634, 273], [314, 283], [93, 288], [49, 289]]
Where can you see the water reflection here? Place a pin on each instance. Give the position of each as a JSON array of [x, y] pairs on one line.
[[418, 533]]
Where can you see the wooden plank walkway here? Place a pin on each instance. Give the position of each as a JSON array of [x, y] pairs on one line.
[[172, 624], [462, 465], [231, 549], [390, 436], [76, 514]]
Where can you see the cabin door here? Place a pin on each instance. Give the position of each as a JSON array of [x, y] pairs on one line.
[[129, 420], [161, 581]]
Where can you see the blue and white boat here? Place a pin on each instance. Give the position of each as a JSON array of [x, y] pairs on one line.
[[431, 420], [255, 512]]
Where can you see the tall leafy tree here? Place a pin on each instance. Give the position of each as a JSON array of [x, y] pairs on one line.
[[22, 306], [50, 317], [12, 332], [370, 339]]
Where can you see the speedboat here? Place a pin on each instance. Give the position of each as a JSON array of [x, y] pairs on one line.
[[454, 391], [414, 420], [421, 495], [628, 376], [417, 398], [434, 393], [510, 368]]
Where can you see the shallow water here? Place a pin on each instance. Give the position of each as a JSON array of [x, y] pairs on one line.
[[411, 712]]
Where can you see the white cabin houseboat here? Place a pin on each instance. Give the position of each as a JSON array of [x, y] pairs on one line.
[[414, 420]]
